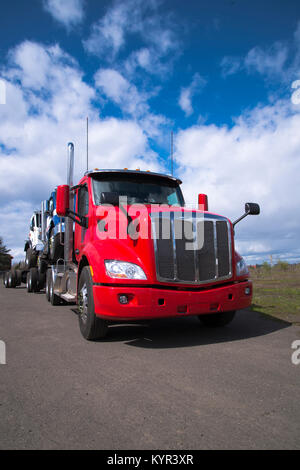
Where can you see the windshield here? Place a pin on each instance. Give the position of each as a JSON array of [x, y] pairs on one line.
[[138, 189]]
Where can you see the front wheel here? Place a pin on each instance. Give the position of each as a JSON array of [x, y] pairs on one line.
[[91, 326], [217, 319]]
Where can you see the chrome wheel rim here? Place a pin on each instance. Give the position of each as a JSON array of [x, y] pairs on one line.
[[83, 303]]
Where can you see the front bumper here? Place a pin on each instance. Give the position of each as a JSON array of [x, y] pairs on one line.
[[154, 302]]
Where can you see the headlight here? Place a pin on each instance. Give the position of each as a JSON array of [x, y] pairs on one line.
[[124, 270], [241, 268]]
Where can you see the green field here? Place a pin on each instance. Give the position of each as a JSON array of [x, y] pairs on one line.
[[277, 291]]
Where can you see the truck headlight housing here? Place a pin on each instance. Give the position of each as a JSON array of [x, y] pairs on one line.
[[123, 270], [241, 268]]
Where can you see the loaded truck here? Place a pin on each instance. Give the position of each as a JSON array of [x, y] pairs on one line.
[[43, 247], [133, 251]]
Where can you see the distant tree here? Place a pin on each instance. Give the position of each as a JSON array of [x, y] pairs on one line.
[[282, 265], [266, 267], [5, 257]]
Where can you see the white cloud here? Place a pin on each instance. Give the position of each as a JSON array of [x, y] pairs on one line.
[[280, 61], [269, 62], [45, 109], [154, 34], [188, 93], [108, 33], [257, 160], [121, 91], [68, 12], [131, 101]]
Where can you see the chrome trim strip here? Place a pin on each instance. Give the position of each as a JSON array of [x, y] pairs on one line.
[[230, 249], [195, 232], [216, 250], [174, 244]]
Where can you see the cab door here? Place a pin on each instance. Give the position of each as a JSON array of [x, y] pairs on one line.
[[82, 209]]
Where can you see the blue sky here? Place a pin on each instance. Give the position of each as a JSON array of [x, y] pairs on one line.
[[219, 74]]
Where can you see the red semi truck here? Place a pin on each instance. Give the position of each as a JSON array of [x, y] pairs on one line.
[[123, 258]]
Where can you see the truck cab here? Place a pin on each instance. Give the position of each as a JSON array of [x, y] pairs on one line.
[[138, 253], [33, 244], [54, 230]]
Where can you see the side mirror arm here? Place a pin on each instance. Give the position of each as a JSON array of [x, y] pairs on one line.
[[81, 220], [240, 218], [251, 208]]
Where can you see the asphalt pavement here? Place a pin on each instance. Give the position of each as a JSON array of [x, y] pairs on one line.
[[169, 384]]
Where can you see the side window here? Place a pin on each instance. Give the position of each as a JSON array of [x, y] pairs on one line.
[[38, 220], [51, 206], [83, 201]]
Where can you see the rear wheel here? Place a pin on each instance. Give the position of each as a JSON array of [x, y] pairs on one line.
[[41, 280], [11, 279], [18, 277], [33, 280], [217, 319], [31, 259], [5, 280], [54, 299], [48, 279], [55, 247], [29, 282], [91, 326]]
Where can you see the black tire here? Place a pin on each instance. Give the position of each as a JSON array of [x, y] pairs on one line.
[[54, 299], [41, 280], [33, 280], [18, 277], [24, 277], [42, 265], [29, 282], [31, 258], [48, 279], [217, 319], [91, 326], [11, 279], [56, 249], [5, 280]]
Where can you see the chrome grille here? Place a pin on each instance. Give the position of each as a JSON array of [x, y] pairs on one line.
[[207, 263]]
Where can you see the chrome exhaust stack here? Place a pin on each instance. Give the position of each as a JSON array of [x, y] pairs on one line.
[[43, 221], [68, 242]]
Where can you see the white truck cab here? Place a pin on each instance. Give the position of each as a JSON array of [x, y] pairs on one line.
[[35, 229], [34, 243]]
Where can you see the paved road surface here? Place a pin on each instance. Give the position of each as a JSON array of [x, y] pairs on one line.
[[170, 385]]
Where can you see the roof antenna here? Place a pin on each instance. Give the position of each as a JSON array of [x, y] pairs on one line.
[[172, 153], [87, 144]]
